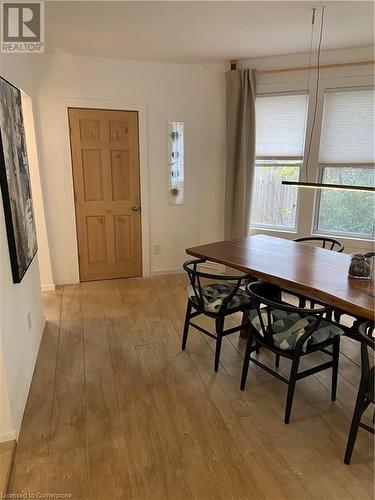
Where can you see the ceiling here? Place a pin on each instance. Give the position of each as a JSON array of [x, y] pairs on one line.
[[201, 32]]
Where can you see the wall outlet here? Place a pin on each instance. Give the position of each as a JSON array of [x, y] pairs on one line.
[[156, 250], [29, 322]]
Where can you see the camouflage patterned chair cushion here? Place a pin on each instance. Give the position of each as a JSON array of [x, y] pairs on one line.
[[215, 293], [288, 327]]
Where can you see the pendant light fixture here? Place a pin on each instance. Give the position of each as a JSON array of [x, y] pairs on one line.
[[320, 185]]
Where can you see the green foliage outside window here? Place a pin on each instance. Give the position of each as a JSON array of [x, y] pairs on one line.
[[344, 211]]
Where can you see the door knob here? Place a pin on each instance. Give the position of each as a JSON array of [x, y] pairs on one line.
[[136, 208]]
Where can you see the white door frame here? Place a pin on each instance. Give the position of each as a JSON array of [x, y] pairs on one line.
[[73, 102]]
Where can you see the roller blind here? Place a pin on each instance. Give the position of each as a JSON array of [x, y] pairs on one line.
[[348, 126], [280, 125]]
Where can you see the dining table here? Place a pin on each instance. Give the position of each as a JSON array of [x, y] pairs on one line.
[[317, 273]]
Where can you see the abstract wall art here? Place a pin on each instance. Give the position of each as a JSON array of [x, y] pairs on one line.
[[15, 182], [176, 163]]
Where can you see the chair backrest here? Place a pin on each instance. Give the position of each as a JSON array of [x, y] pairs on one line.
[[196, 276], [324, 242], [365, 331], [268, 301]]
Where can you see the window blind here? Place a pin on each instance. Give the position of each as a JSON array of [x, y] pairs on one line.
[[280, 125], [348, 127]]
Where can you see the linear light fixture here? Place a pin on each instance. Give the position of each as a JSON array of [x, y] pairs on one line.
[[318, 185]]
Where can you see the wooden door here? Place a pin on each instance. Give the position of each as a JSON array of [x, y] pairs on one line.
[[105, 159]]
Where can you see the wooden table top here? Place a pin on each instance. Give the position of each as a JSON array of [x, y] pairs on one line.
[[316, 272]]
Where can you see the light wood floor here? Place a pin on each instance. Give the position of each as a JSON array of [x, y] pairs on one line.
[[116, 410]]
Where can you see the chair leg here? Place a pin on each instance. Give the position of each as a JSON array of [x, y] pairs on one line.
[[217, 352], [186, 325], [246, 361], [335, 367], [244, 321], [277, 360], [291, 387], [219, 337], [358, 410]]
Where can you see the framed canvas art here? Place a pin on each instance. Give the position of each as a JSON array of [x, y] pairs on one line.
[[15, 182]]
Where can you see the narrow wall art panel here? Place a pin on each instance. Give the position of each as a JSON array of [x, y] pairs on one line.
[[176, 163], [15, 182]]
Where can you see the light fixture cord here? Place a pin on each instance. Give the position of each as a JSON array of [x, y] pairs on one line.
[[308, 83], [316, 92]]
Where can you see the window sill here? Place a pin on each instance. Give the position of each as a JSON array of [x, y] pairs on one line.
[[345, 237], [272, 230], [348, 241]]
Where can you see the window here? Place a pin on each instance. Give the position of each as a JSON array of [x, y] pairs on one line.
[[345, 212], [347, 157], [280, 131]]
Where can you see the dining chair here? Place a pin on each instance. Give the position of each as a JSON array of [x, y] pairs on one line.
[[329, 244], [366, 387], [324, 242], [290, 332], [218, 299]]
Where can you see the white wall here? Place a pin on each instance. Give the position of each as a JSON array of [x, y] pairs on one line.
[[193, 94], [18, 344], [6, 427]]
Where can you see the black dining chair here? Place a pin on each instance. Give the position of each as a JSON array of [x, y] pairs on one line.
[[218, 299], [290, 332], [366, 387], [324, 242], [328, 244]]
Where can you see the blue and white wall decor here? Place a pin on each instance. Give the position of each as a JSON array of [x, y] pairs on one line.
[[176, 163]]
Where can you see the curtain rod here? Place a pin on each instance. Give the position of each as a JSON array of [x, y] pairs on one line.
[[322, 66]]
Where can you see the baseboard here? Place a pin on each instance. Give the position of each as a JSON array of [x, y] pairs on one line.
[[68, 281], [26, 389], [48, 288], [166, 271], [211, 266]]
